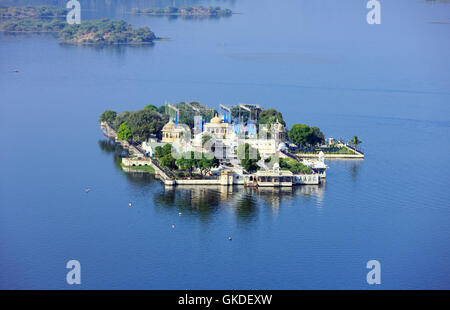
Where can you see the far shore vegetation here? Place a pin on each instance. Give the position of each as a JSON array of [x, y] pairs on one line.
[[187, 11], [36, 12], [52, 20]]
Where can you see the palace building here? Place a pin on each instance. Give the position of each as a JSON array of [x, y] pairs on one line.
[[172, 132], [225, 137], [278, 132], [219, 128]]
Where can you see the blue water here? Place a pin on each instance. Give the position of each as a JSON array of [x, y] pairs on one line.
[[319, 63]]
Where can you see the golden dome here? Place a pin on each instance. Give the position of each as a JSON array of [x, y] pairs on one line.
[[170, 126], [216, 120]]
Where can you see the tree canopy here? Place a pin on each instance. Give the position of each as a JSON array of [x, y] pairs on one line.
[[163, 151], [124, 132], [303, 135], [193, 160], [270, 116], [164, 154], [105, 31], [294, 166], [355, 141], [187, 162], [205, 164], [108, 116], [151, 107], [143, 123], [249, 157], [168, 161]]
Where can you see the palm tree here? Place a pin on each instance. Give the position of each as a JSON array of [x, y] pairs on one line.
[[355, 141]]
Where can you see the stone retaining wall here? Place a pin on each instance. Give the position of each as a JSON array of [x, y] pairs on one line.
[[331, 156], [142, 161]]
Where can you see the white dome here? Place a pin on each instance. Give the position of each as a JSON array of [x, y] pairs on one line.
[[282, 146]]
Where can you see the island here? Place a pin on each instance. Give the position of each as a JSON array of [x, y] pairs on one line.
[[52, 20], [186, 12], [105, 31], [189, 143]]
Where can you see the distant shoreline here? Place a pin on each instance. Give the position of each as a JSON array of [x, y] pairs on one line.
[[48, 19]]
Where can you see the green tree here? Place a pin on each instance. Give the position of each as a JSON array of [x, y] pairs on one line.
[[124, 132], [303, 135], [294, 166], [163, 151], [143, 123], [151, 107], [168, 161], [246, 154], [158, 152], [299, 134], [316, 137], [187, 162], [167, 149], [206, 164], [108, 116], [355, 141], [269, 117], [162, 109]]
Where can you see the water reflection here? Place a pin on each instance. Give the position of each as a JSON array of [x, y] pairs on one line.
[[245, 202], [109, 146], [203, 201], [246, 206], [109, 50], [355, 166], [140, 179]]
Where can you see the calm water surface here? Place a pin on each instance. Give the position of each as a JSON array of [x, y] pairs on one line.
[[319, 63]]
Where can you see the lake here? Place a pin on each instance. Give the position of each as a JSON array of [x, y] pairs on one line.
[[319, 63]]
